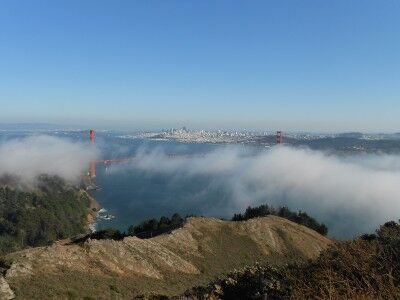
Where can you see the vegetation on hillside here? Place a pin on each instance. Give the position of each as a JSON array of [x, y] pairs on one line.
[[300, 217], [146, 229], [152, 227], [40, 215], [365, 268]]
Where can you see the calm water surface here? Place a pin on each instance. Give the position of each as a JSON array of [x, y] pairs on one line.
[[132, 195]]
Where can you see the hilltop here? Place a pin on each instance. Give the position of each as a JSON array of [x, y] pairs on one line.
[[169, 264], [364, 268]]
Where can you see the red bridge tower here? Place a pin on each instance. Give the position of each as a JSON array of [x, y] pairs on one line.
[[279, 137], [92, 165]]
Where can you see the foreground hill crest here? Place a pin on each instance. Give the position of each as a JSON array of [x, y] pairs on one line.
[[202, 249]]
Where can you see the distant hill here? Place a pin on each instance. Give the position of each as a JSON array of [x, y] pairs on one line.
[[167, 264], [354, 135]]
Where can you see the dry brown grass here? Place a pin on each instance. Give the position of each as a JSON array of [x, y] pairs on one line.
[[366, 268], [351, 270], [168, 264]]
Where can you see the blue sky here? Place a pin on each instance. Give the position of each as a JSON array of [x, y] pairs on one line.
[[293, 65]]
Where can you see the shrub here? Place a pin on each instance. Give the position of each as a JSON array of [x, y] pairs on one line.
[[300, 217], [152, 227]]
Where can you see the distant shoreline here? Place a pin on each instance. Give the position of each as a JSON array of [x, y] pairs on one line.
[[93, 208]]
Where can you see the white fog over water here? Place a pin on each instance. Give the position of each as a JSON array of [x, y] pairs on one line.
[[352, 194]]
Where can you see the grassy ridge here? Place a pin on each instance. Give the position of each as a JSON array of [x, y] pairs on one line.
[[205, 248], [152, 227], [365, 268]]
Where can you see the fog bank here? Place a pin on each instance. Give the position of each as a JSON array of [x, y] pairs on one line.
[[352, 194], [28, 157]]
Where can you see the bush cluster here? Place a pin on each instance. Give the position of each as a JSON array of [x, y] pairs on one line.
[[300, 217], [153, 227], [146, 229]]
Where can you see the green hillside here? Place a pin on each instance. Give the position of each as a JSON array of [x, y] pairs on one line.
[[40, 215]]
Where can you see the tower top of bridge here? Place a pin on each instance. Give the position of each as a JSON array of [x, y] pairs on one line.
[[92, 135]]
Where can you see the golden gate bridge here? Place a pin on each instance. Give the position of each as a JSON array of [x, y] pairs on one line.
[[108, 162]]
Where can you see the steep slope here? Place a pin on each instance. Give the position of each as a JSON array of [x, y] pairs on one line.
[[167, 264]]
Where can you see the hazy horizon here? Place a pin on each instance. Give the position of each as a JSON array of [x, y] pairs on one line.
[[44, 126]]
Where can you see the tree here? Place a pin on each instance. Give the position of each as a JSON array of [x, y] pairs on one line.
[[164, 223], [300, 217], [176, 220]]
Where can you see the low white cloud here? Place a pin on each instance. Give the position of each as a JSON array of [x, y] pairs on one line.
[[352, 194], [28, 157]]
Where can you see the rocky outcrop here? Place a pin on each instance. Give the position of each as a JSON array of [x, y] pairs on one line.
[[5, 291]]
